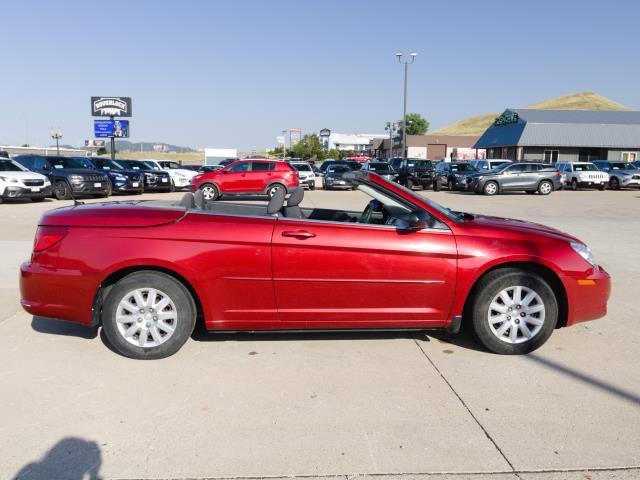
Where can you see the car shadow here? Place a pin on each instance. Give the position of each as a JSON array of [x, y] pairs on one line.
[[51, 326], [14, 201]]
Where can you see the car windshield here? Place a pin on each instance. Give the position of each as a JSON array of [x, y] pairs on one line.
[[133, 165], [66, 162], [151, 165], [447, 212], [462, 167], [379, 167], [623, 166], [338, 169], [302, 167], [171, 165], [500, 168], [584, 167], [109, 165], [7, 165], [498, 164]]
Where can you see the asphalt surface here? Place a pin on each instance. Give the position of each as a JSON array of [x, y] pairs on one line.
[[333, 405]]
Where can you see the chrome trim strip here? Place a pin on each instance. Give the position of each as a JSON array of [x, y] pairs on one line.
[[358, 280]]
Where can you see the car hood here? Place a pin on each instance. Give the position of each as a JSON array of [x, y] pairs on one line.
[[23, 175], [114, 214], [625, 173], [76, 171], [518, 227]]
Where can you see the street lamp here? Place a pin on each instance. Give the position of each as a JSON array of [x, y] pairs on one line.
[[392, 128], [406, 64], [57, 135]]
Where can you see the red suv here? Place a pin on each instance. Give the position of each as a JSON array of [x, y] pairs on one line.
[[247, 176]]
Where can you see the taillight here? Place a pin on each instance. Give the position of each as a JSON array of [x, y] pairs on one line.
[[47, 237]]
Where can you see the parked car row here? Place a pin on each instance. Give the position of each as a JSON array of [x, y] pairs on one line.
[[39, 176]]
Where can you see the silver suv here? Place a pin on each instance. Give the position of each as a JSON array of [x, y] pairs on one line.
[[621, 174], [528, 177]]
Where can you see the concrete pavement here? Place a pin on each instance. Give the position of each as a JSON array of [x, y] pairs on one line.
[[339, 405]]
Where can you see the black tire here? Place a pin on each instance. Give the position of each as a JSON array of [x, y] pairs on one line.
[[210, 191], [108, 193], [489, 287], [312, 186], [574, 184], [491, 188], [602, 187], [531, 192], [437, 185], [614, 183], [410, 184], [545, 187], [271, 189], [33, 199], [61, 190], [172, 186], [184, 305]]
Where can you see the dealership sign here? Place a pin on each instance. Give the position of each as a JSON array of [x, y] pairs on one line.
[[506, 118], [111, 106], [111, 128]]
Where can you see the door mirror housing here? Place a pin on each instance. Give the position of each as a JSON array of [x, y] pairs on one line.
[[411, 223]]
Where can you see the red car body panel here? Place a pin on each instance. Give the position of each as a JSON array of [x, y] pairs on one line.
[[266, 272], [229, 181]]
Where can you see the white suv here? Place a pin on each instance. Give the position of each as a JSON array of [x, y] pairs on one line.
[[18, 182], [582, 174], [181, 177], [306, 175]]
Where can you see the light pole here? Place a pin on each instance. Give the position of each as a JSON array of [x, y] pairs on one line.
[[406, 64], [57, 135], [392, 128]]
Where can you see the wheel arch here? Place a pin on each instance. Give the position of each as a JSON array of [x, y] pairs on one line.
[[117, 275], [547, 273], [276, 182]]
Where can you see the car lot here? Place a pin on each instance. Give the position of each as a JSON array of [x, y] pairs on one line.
[[336, 404]]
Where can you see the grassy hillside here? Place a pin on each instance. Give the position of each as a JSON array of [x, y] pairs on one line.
[[575, 101]]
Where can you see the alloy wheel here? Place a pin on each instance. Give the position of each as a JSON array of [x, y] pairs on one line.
[[146, 317], [516, 314], [272, 191], [209, 192]]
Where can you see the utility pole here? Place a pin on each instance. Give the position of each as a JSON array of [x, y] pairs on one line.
[[392, 128], [406, 64]]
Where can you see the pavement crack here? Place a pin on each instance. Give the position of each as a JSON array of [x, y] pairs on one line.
[[460, 399]]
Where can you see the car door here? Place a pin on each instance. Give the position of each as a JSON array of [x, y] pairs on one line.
[[234, 179], [511, 178], [347, 275], [259, 175]]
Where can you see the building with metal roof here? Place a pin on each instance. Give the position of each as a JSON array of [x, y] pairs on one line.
[[563, 135]]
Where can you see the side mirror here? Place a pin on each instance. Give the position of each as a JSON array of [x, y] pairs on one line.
[[412, 223]]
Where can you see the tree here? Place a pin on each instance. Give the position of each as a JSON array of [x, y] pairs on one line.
[[309, 148], [417, 124]]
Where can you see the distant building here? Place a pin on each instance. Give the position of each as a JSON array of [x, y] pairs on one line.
[[550, 136], [349, 142], [433, 147], [65, 152]]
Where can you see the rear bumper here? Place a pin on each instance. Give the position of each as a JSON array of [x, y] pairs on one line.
[[56, 293], [587, 296], [22, 192]]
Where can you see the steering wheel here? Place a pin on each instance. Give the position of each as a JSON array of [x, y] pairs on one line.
[[373, 206], [366, 215]]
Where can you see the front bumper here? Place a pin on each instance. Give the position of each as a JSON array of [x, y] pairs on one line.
[[631, 182], [26, 192], [90, 188], [160, 184], [338, 184], [181, 182], [587, 295]]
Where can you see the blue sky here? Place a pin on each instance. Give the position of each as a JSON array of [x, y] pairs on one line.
[[236, 73]]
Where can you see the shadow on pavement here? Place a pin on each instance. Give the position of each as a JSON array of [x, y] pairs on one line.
[[59, 327], [70, 459]]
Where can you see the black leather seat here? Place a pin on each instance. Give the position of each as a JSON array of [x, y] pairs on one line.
[[293, 210], [276, 202], [199, 200], [187, 201]]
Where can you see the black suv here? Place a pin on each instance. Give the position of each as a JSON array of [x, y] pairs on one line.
[[413, 172], [69, 176], [452, 175], [123, 180], [157, 180]]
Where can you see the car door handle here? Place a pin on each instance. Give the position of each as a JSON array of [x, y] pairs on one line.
[[300, 234]]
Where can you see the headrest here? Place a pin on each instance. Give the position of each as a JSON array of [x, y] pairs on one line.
[[296, 197], [187, 201], [198, 197], [277, 201]]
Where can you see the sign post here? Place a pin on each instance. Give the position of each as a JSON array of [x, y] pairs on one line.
[[112, 107]]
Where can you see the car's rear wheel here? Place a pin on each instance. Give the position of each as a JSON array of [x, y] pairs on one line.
[[545, 187], [148, 315], [410, 184], [271, 191], [437, 185], [574, 184], [490, 188], [209, 191], [61, 190], [514, 311], [614, 183]]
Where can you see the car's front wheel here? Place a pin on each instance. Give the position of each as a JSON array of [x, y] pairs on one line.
[[614, 183], [490, 188], [209, 191], [514, 311], [437, 185], [574, 184], [61, 190], [148, 315]]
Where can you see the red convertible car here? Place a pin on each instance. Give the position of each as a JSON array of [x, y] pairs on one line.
[[148, 271]]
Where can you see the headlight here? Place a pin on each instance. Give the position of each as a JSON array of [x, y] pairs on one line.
[[9, 179], [76, 178], [584, 252], [120, 178]]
